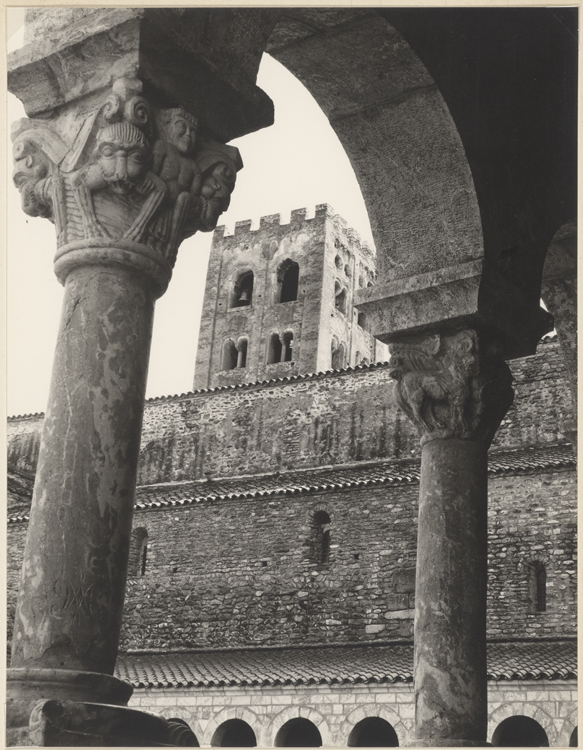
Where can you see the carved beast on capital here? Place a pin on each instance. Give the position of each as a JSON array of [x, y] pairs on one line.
[[130, 173], [451, 387]]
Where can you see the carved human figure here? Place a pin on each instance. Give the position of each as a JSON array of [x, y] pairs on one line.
[[174, 164], [120, 165]]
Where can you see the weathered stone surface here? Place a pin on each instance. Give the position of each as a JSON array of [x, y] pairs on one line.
[[450, 615], [55, 723], [128, 174], [71, 600], [559, 293], [204, 60], [453, 385], [26, 687]]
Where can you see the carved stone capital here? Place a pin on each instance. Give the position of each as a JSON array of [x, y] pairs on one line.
[[124, 172], [452, 385]]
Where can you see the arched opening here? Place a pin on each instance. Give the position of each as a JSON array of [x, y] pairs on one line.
[[234, 733], [181, 734], [519, 731], [573, 740], [230, 355], [362, 321], [321, 537], [373, 732], [298, 733], [287, 349], [242, 294], [288, 278], [274, 349], [338, 356], [138, 552], [242, 353], [340, 298], [537, 586]]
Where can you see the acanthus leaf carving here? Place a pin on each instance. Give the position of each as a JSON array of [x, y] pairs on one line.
[[129, 174], [452, 385]]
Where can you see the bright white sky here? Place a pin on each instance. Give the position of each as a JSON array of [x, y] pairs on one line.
[[296, 163]]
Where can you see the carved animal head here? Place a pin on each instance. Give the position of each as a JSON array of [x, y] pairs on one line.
[[122, 153], [31, 166]]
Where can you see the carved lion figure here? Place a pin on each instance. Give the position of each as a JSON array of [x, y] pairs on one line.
[[437, 374]]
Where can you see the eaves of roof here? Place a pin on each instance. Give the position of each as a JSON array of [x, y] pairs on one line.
[[332, 479], [387, 663]]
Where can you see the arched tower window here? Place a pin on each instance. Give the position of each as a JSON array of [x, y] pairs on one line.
[[362, 321], [274, 349], [298, 733], [287, 348], [340, 298], [537, 586], [230, 355], [287, 279], [338, 356], [321, 536], [373, 732], [234, 733], [242, 294], [242, 353], [138, 552]]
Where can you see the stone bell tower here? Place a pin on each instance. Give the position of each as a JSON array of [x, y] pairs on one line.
[[278, 301]]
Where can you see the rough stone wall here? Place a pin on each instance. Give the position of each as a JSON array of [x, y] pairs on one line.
[[332, 418], [532, 517], [336, 709]]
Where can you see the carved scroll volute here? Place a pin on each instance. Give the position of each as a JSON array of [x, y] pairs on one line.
[[451, 386], [130, 174]]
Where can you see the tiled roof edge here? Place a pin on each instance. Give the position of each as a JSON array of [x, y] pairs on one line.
[[337, 486]]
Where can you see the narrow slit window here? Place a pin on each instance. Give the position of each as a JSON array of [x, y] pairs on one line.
[[242, 353], [274, 349], [230, 355], [321, 535], [287, 354]]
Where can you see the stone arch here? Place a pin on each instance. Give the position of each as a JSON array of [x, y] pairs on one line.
[[234, 733], [408, 149], [229, 355], [233, 712], [287, 281], [520, 731], [294, 712], [369, 710], [530, 710]]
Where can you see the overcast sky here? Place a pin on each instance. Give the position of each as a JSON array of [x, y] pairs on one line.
[[296, 163]]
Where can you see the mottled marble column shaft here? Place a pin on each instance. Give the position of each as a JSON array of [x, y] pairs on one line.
[[450, 616], [73, 577]]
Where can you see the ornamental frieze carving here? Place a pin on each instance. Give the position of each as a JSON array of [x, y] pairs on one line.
[[130, 172], [453, 385]]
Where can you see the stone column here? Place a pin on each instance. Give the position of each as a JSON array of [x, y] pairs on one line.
[[456, 389], [124, 178]]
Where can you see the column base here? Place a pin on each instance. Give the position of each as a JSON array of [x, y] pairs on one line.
[[25, 687], [56, 723]]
